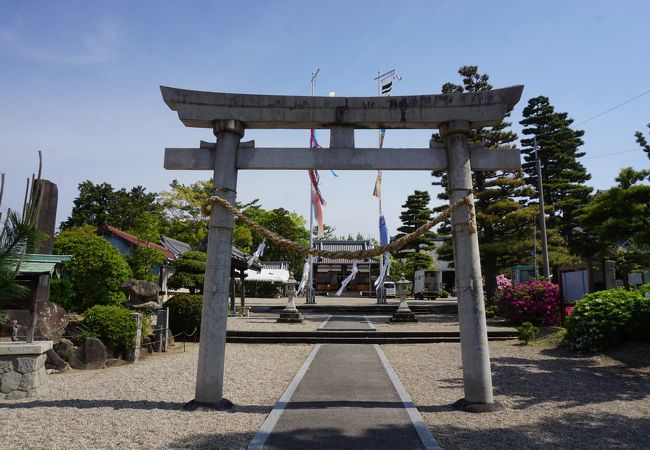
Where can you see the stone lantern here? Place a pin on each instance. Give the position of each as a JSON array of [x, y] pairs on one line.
[[290, 313], [403, 313]]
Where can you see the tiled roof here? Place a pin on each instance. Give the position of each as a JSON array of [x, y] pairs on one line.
[[107, 229], [177, 247], [347, 246]]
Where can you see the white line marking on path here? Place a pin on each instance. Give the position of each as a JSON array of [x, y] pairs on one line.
[[263, 433], [426, 437], [370, 325], [324, 322]]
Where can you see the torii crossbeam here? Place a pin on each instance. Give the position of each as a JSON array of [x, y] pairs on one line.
[[453, 114]]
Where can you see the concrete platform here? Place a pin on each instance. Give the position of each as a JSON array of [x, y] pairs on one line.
[[344, 397]]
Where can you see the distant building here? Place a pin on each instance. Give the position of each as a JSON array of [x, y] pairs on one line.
[[329, 273]]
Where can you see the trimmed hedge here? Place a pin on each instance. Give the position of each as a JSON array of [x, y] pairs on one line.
[[185, 313], [607, 318], [113, 325]]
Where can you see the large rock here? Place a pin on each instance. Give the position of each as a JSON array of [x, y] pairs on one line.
[[10, 382], [64, 349], [33, 380], [140, 291], [51, 321], [55, 362], [90, 355]]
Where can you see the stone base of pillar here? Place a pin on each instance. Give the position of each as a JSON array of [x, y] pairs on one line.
[[403, 316], [466, 406], [290, 317], [221, 405]]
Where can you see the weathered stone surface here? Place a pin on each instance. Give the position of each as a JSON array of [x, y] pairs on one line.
[[16, 395], [33, 380], [2, 396], [64, 348], [51, 321], [10, 382], [113, 362], [26, 364], [6, 364], [90, 355], [140, 291], [54, 361]]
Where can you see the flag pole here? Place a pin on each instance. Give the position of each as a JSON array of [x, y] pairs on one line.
[[310, 296]]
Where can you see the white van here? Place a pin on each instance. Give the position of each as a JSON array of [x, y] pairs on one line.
[[389, 287]]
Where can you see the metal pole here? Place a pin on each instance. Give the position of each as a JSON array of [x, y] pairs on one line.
[[542, 216], [310, 298]]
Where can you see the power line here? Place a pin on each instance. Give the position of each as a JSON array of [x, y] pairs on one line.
[[611, 154], [613, 108]]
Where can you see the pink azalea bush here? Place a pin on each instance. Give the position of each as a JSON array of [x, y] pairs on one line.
[[535, 301]]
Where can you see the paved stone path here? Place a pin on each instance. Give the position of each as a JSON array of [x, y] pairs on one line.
[[345, 396]]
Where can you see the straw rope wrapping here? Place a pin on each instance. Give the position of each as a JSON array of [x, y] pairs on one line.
[[359, 254]]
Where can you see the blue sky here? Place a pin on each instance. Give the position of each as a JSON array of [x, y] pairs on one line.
[[80, 81]]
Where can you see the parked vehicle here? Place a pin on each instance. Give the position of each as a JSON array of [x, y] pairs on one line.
[[389, 287], [427, 284]]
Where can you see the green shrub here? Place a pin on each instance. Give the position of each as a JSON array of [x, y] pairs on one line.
[[527, 332], [142, 262], [93, 276], [185, 313], [604, 319], [114, 325], [443, 293], [190, 272]]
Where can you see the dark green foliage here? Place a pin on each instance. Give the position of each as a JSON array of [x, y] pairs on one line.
[[17, 238], [642, 141], [527, 332], [185, 313], [182, 210], [416, 213], [135, 211], [443, 294], [607, 318], [113, 325], [622, 212], [190, 272], [563, 176], [264, 289], [142, 260], [94, 275], [505, 227]]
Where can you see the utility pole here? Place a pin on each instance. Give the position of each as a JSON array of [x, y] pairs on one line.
[[542, 216]]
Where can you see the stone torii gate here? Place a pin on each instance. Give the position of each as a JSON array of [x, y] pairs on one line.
[[228, 115]]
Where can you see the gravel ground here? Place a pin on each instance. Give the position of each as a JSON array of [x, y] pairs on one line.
[[268, 322], [140, 406], [552, 398]]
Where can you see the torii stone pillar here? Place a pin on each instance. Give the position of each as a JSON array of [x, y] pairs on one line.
[[477, 378], [214, 319], [453, 114]]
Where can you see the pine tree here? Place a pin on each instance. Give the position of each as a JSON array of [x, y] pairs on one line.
[[415, 214], [505, 226], [563, 176], [642, 141]]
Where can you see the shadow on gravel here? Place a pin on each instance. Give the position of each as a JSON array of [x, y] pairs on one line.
[[575, 431], [389, 437], [87, 404], [568, 380]]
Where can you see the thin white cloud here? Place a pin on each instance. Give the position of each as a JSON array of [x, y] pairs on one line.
[[95, 47]]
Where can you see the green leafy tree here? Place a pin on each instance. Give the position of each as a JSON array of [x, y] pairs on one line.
[[643, 142], [183, 219], [415, 262], [93, 276], [415, 214], [501, 217], [563, 176], [190, 272], [142, 261], [288, 225], [135, 211]]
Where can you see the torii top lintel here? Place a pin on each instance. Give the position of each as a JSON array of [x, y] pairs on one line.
[[481, 109]]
